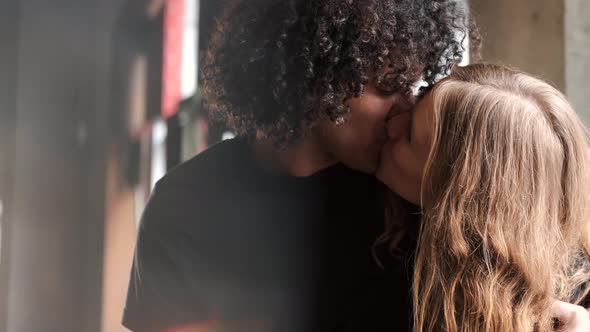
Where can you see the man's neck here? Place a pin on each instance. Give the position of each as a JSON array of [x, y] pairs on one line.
[[301, 159]]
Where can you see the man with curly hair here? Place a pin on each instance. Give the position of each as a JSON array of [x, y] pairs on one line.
[[275, 230]]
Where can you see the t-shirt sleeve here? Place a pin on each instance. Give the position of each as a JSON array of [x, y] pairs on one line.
[[168, 283]]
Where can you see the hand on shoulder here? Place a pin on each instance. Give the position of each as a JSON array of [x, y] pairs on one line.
[[572, 318]]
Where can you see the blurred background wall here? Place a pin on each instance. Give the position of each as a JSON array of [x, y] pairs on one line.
[[549, 38], [98, 98]]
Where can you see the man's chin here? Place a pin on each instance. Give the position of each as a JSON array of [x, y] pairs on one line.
[[369, 165], [373, 165], [381, 167], [379, 156], [379, 174], [367, 169]]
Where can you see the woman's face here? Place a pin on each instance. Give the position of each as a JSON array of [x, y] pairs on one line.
[[404, 155]]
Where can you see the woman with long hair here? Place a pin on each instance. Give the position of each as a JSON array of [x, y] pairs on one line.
[[499, 163]]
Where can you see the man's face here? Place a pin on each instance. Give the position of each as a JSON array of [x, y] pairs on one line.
[[357, 142]]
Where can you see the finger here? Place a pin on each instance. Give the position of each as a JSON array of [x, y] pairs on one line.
[[560, 310], [566, 311]]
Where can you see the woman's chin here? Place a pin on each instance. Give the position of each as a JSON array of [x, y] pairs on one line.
[[397, 185]]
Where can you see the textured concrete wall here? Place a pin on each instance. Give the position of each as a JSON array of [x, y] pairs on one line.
[[577, 55], [528, 34], [549, 38]]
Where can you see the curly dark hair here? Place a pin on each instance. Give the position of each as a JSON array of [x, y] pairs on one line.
[[276, 66]]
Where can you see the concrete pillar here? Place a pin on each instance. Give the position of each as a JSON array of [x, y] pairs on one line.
[[9, 18], [577, 55], [56, 203]]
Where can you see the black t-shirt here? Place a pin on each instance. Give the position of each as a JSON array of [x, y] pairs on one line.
[[221, 239]]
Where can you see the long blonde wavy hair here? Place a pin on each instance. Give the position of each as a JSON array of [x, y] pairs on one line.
[[506, 230]]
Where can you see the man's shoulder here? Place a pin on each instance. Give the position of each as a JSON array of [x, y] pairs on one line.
[[221, 161], [206, 180]]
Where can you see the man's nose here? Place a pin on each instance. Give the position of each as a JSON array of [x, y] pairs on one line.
[[407, 102], [399, 126], [402, 104]]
